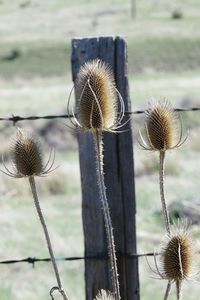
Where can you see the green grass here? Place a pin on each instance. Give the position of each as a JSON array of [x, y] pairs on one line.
[[156, 42], [35, 60], [163, 55], [6, 293], [145, 56]]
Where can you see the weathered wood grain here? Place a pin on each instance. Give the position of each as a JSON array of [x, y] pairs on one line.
[[119, 179]]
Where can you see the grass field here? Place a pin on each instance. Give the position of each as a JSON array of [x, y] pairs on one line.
[[35, 78]]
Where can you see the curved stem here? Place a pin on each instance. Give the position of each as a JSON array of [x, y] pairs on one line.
[[106, 214], [39, 211], [167, 290], [162, 193]]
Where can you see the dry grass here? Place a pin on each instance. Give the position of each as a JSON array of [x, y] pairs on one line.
[[51, 19], [25, 96]]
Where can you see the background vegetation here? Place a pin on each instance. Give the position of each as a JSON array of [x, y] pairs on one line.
[[35, 78]]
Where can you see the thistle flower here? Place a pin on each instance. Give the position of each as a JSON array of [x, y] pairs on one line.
[[97, 98], [104, 295], [163, 129], [177, 256], [27, 157]]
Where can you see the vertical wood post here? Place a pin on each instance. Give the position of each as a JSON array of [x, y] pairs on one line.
[[119, 180], [133, 9]]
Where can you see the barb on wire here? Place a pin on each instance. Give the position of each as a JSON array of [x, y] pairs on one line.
[[14, 119], [33, 260]]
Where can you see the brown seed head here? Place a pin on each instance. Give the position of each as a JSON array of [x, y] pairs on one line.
[[104, 295], [26, 154], [178, 256], [163, 127], [97, 97], [27, 157]]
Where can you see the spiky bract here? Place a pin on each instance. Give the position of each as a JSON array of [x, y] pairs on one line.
[[27, 157], [163, 129], [97, 106], [177, 258], [177, 255], [104, 295]]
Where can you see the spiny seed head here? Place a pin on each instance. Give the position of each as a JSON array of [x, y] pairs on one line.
[[163, 127], [97, 97], [104, 295], [178, 253], [177, 258], [160, 125], [26, 155]]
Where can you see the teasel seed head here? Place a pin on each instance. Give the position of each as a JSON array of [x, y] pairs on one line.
[[177, 257], [163, 127], [104, 295], [178, 254], [97, 104], [27, 157]]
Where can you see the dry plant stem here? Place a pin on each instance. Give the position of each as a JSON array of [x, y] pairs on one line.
[[106, 213], [164, 207], [178, 290], [39, 211], [167, 290], [162, 193]]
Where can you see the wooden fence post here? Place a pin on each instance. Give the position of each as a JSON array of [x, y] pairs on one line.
[[133, 9], [119, 180]]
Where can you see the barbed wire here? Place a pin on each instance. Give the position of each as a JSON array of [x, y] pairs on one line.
[[33, 260], [16, 119], [187, 109]]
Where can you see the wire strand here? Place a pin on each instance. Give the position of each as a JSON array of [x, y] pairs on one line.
[[33, 260], [16, 119]]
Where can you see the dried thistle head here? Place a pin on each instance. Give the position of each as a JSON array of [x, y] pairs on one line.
[[104, 295], [27, 157], [177, 255], [97, 104], [163, 128]]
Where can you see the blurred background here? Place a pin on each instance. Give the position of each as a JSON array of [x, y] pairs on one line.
[[35, 79]]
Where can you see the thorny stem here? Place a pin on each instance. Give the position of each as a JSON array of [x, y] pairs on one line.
[[162, 193], [106, 214], [167, 290], [39, 211], [164, 207], [178, 290]]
